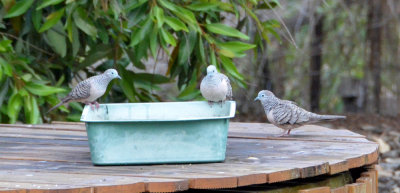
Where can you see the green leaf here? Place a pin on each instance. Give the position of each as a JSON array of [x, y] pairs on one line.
[[186, 47], [168, 37], [213, 60], [153, 42], [75, 40], [222, 29], [6, 66], [53, 100], [46, 3], [14, 107], [203, 6], [127, 84], [36, 19], [57, 40], [184, 14], [201, 50], [235, 46], [51, 20], [154, 78], [83, 22], [95, 54], [230, 67], [3, 91], [134, 4], [140, 34], [176, 24], [116, 9], [227, 53], [1, 75], [19, 8], [6, 46], [26, 77], [159, 13], [131, 55], [190, 88], [271, 23], [32, 114], [42, 90], [269, 4]]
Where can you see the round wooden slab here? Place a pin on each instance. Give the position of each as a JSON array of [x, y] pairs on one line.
[[56, 157]]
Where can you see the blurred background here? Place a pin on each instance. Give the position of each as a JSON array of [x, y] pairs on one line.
[[330, 56]]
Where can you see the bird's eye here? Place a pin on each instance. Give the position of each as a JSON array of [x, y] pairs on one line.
[[262, 95]]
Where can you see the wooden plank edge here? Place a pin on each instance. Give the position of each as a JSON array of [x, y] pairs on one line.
[[338, 167], [72, 190], [363, 160], [324, 189], [283, 175], [124, 188], [252, 179], [366, 183], [167, 186], [300, 139], [213, 183], [77, 128], [314, 170]]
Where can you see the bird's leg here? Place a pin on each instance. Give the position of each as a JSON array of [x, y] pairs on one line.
[[97, 105], [90, 104], [283, 133], [210, 103], [286, 132]]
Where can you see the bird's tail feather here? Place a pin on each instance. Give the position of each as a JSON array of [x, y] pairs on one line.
[[330, 117], [63, 101]]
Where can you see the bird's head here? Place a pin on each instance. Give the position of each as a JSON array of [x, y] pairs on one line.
[[265, 95], [112, 73], [211, 70]]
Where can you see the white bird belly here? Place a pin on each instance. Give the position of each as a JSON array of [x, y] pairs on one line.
[[95, 94], [213, 92], [270, 117]]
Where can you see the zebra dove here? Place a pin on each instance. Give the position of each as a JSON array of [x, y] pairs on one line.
[[215, 87], [89, 90], [286, 114]]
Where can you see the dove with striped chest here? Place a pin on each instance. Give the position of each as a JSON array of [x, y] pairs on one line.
[[286, 114], [89, 90], [215, 86]]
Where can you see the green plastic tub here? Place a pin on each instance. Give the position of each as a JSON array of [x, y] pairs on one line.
[[154, 133]]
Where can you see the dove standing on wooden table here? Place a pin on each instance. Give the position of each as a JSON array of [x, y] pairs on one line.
[[215, 87], [89, 90], [286, 114]]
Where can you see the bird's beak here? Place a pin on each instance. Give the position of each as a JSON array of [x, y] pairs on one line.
[[119, 77], [256, 99]]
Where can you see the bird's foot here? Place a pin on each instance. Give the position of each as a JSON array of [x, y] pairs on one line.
[[210, 103], [97, 105], [284, 134], [90, 104]]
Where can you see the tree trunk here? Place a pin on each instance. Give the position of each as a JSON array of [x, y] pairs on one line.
[[374, 37], [316, 63]]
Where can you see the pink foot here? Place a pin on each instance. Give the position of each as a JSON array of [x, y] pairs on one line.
[[91, 106], [285, 133], [97, 105]]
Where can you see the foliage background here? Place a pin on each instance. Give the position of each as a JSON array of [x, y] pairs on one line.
[[47, 46], [161, 49]]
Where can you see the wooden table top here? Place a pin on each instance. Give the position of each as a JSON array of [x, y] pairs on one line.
[[57, 157]]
